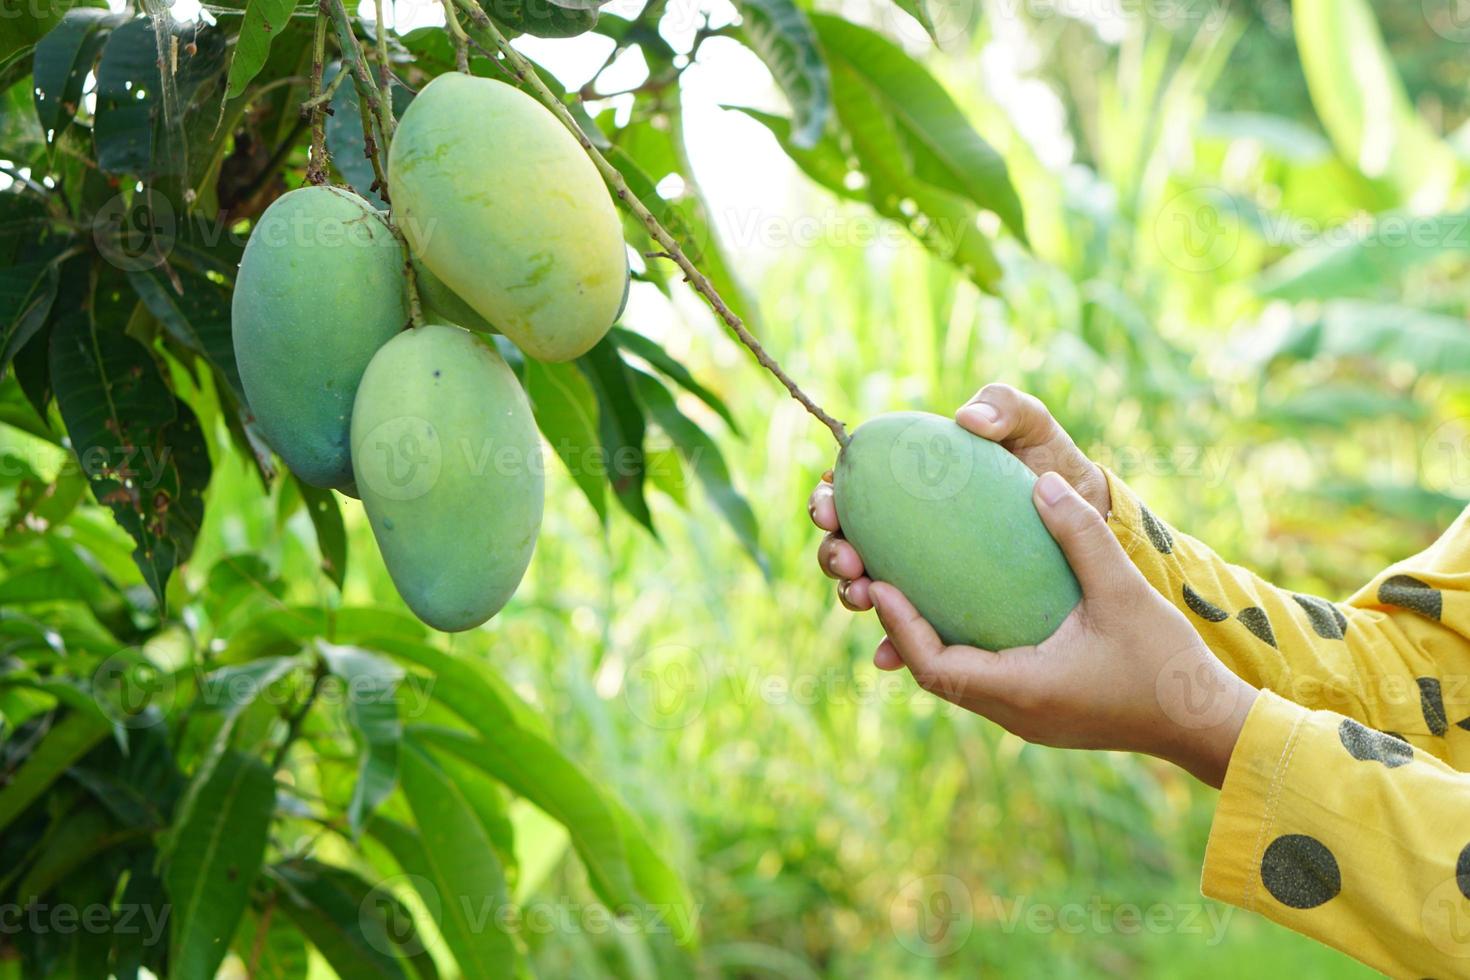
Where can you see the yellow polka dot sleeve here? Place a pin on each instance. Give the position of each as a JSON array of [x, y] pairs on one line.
[[1395, 656], [1346, 835]]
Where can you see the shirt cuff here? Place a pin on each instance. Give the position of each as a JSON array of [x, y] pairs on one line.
[[1248, 800]]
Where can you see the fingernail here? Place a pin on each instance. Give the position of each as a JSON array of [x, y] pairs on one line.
[[982, 412], [1051, 487], [876, 592]]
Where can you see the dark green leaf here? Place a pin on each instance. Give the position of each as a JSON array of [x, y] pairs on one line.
[[331, 534], [356, 927], [26, 295], [566, 412], [216, 855], [128, 94], [780, 34], [69, 738], [64, 58], [542, 18], [195, 311], [141, 448], [640, 346], [620, 426], [709, 465]]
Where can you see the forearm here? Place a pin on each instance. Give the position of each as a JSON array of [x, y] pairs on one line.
[[1389, 667]]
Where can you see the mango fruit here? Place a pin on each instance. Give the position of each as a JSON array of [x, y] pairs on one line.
[[443, 305], [320, 289], [947, 517], [448, 463], [499, 201]]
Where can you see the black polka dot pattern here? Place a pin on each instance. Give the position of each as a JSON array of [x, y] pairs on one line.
[[1407, 592], [1366, 745], [1256, 621], [1158, 534], [1462, 871], [1463, 723], [1326, 619], [1431, 703], [1300, 872], [1203, 608]]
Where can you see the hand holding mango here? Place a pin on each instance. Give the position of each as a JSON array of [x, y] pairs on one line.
[[1094, 680]]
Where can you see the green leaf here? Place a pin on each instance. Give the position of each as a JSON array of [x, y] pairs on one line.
[[919, 11], [1334, 406], [272, 948], [1369, 264], [128, 93], [22, 28], [372, 711], [141, 447], [458, 860], [1429, 342], [1363, 105], [566, 412], [216, 855], [944, 149], [778, 32], [620, 426], [709, 464], [347, 920], [195, 311], [64, 58], [263, 20], [825, 162], [331, 534], [71, 842], [27, 293], [641, 346], [67, 741], [543, 18]]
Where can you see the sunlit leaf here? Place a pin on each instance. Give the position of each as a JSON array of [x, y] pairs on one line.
[[780, 34]]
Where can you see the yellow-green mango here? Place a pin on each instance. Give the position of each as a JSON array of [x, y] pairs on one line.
[[320, 289], [948, 518], [448, 462], [501, 203]]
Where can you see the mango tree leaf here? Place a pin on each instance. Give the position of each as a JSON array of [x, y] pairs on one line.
[[216, 855], [263, 20], [919, 11], [68, 740], [1370, 264], [620, 427], [21, 29], [640, 346], [945, 150], [458, 860], [544, 18], [944, 222], [64, 58], [331, 534], [709, 464], [271, 947], [778, 32], [346, 919], [1363, 105], [141, 447], [128, 93], [1430, 342], [196, 313], [27, 293], [825, 162], [372, 711], [566, 412]]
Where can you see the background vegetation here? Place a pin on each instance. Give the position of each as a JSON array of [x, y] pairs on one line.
[[1242, 285]]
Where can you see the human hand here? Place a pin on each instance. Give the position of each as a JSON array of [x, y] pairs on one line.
[[1124, 671], [1000, 413]]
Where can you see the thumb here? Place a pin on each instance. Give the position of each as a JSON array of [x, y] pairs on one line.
[[1096, 557]]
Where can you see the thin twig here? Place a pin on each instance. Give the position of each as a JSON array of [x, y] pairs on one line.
[[461, 39], [368, 102], [316, 168], [385, 71], [298, 717], [525, 72]]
